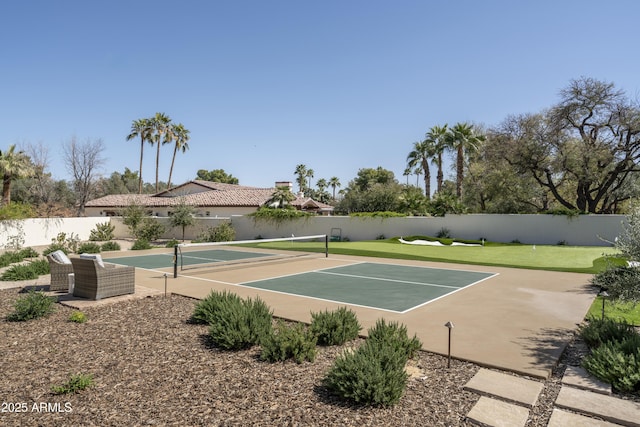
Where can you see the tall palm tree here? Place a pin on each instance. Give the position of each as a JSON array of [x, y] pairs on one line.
[[13, 165], [461, 137], [143, 129], [419, 158], [437, 137], [180, 135], [333, 183], [301, 171], [160, 123], [281, 197], [309, 176], [407, 173]]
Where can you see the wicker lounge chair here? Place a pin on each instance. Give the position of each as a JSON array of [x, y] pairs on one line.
[[94, 281], [59, 274]]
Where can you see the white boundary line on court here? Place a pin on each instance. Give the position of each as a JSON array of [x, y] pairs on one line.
[[386, 280]]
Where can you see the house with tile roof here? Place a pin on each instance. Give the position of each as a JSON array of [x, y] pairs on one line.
[[209, 199]]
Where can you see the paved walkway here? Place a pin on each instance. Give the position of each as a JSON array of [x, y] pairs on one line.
[[583, 401]]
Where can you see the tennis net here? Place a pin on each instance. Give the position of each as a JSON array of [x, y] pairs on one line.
[[198, 255]]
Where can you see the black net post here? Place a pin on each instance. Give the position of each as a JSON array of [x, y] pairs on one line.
[[175, 261], [326, 246]]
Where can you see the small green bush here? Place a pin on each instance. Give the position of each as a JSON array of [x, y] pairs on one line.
[[9, 258], [617, 363], [141, 244], [372, 375], [78, 317], [89, 248], [239, 324], [222, 233], [62, 242], [171, 243], [26, 271], [289, 342], [621, 282], [32, 306], [205, 308], [335, 327], [110, 246], [28, 253], [102, 232], [75, 384], [55, 247], [149, 229], [600, 331], [395, 336]]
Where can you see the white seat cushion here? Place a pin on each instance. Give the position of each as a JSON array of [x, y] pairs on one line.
[[60, 256], [97, 257]]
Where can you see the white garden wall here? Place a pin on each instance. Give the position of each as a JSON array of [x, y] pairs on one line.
[[584, 230]]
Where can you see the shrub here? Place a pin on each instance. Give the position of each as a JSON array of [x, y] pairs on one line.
[[395, 336], [89, 248], [289, 342], [444, 233], [32, 306], [371, 375], [222, 233], [9, 258], [238, 324], [28, 271], [171, 243], [600, 331], [149, 229], [75, 384], [110, 246], [102, 232], [621, 282], [64, 243], [335, 327], [78, 317], [141, 244], [28, 253], [617, 363], [205, 308]]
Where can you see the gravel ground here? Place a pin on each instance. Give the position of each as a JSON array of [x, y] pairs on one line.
[[151, 367]]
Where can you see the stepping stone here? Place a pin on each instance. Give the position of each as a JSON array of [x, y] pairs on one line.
[[578, 377], [505, 386], [496, 413], [567, 419], [618, 411]]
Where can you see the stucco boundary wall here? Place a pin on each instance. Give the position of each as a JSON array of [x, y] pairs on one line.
[[41, 231], [584, 230]]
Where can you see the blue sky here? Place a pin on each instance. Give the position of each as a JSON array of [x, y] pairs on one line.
[[266, 85]]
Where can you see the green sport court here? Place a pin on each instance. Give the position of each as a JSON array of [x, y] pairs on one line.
[[388, 287]]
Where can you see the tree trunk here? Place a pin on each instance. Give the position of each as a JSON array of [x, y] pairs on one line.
[[140, 170], [175, 149], [459, 170], [6, 189]]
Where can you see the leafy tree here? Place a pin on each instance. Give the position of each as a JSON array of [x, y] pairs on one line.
[[182, 216], [584, 150], [462, 138], [373, 190], [120, 183], [216, 175], [141, 128], [13, 164], [446, 202], [132, 217], [180, 137], [83, 161], [628, 242], [412, 201]]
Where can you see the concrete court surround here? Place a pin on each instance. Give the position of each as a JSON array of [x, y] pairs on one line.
[[519, 320]]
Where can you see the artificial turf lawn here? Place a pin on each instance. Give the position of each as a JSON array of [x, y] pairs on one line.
[[576, 259], [626, 311]]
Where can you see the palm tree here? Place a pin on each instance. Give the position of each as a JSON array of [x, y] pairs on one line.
[[309, 176], [141, 128], [437, 137], [460, 138], [419, 157], [160, 125], [407, 172], [13, 165], [281, 197], [301, 171], [333, 183], [180, 135]]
